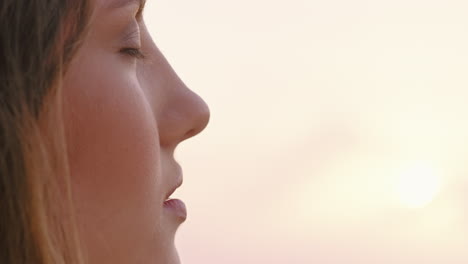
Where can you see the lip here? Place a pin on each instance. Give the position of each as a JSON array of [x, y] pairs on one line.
[[177, 207], [179, 181]]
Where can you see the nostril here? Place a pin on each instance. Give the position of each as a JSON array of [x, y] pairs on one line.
[[189, 134], [199, 123]]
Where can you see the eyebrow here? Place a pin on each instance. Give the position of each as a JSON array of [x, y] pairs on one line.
[[115, 4]]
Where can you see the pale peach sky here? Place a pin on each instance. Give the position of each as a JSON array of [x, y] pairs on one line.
[[320, 109]]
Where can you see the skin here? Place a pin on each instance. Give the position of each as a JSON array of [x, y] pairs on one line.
[[124, 118]]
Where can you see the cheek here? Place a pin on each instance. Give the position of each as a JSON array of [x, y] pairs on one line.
[[114, 159]]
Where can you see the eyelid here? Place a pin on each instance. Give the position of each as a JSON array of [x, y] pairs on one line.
[[130, 44], [133, 52], [132, 37]]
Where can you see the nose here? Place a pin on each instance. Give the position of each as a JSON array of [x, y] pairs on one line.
[[184, 115], [180, 113]]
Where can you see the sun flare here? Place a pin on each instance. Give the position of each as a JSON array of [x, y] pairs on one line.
[[418, 185]]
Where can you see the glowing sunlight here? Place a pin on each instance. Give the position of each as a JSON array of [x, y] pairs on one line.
[[338, 131]]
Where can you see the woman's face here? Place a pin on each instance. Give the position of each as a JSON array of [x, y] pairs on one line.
[[125, 115]]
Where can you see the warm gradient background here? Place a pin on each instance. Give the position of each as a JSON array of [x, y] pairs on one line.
[[339, 130]]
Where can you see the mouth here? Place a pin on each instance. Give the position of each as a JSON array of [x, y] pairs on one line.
[[175, 207]]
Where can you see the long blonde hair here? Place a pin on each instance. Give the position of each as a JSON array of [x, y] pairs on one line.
[[38, 39]]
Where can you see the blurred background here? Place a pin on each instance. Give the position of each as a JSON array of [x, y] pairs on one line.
[[339, 129]]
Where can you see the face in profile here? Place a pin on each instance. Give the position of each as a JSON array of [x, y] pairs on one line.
[[126, 111]]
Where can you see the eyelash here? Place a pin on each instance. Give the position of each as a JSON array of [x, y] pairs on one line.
[[133, 52]]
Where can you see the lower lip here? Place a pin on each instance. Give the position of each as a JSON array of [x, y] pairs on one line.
[[177, 207]]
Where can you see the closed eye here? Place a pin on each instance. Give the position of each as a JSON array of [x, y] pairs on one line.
[[133, 52]]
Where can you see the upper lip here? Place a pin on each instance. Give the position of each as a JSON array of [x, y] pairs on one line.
[[179, 181], [173, 190]]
